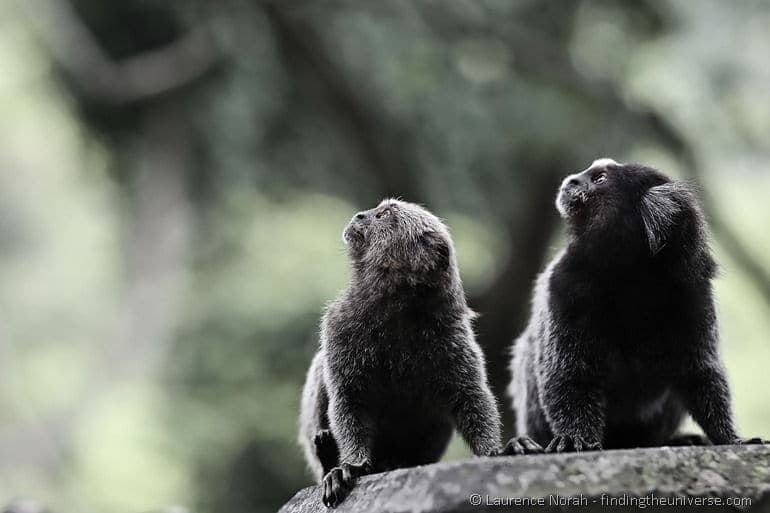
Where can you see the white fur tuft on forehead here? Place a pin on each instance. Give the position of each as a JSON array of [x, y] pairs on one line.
[[602, 163], [390, 201]]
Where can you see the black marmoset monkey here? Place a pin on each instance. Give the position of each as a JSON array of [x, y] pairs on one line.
[[623, 339], [398, 368]]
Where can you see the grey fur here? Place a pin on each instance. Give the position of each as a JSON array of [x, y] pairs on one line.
[[398, 367]]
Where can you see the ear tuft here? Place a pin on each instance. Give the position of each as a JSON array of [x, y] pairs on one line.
[[434, 254], [662, 209]]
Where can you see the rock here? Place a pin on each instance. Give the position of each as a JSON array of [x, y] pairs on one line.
[[725, 478]]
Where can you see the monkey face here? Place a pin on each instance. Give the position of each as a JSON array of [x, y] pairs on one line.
[[372, 226], [582, 192], [636, 203], [397, 235], [606, 194]]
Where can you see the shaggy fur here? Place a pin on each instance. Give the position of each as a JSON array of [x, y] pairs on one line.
[[623, 340], [398, 367]]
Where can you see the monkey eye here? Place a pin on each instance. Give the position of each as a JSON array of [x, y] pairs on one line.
[[382, 213], [600, 178]]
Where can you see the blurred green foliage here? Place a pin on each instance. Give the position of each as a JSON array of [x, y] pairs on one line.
[[154, 333]]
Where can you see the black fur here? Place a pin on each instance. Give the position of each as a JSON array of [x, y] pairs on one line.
[[623, 339], [398, 367]]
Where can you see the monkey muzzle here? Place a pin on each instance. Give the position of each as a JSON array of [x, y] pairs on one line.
[[573, 194], [352, 235], [354, 232]]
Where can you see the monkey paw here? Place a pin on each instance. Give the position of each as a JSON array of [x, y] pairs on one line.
[[751, 441], [566, 443], [338, 482], [335, 488], [521, 445], [688, 440]]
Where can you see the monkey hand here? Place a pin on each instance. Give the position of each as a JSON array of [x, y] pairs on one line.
[[570, 443], [520, 445], [339, 481]]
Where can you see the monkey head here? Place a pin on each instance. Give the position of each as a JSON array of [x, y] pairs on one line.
[[400, 239], [634, 203]]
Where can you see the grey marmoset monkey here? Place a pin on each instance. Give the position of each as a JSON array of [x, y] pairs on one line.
[[398, 368], [623, 338]]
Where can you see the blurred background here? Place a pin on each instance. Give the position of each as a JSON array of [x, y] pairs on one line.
[[175, 176]]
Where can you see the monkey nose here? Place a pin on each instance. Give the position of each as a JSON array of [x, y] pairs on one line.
[[362, 218], [575, 181]]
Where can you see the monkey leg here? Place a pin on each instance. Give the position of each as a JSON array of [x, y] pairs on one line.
[[706, 395], [354, 438], [326, 450], [534, 423], [532, 429], [319, 445]]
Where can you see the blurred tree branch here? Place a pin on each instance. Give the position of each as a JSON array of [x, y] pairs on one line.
[[134, 79], [157, 164], [537, 55], [385, 144]]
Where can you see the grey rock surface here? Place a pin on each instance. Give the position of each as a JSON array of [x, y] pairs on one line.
[[726, 478]]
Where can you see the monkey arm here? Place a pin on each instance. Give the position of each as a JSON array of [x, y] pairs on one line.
[[706, 394], [477, 418], [703, 387], [571, 395], [354, 432], [353, 429]]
